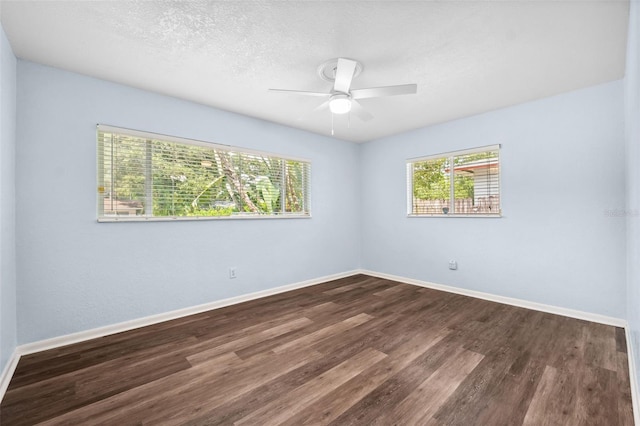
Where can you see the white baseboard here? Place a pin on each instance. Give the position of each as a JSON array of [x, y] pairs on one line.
[[633, 378], [7, 372], [572, 313], [82, 336]]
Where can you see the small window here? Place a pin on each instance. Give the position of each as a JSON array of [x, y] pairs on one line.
[[461, 183], [145, 176]]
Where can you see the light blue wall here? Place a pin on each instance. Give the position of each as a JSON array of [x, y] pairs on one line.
[[77, 274], [632, 115], [7, 201], [562, 168]]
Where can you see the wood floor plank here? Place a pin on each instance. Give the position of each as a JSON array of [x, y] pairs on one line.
[[468, 401], [102, 411], [250, 339], [369, 333], [372, 408], [596, 397], [509, 400], [342, 398], [79, 350], [362, 338], [175, 398], [390, 305], [392, 290], [359, 294], [420, 405], [353, 351], [624, 401], [569, 347], [180, 409], [538, 412], [621, 341], [349, 287], [531, 342], [291, 403], [91, 384], [84, 358], [319, 340], [246, 326], [600, 350], [324, 333], [322, 316]]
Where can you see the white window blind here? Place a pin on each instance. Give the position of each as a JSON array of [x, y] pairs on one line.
[[461, 183], [143, 176]]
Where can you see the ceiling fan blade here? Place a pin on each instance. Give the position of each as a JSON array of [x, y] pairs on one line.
[[358, 110], [323, 105], [344, 75], [300, 92], [306, 114], [378, 92]]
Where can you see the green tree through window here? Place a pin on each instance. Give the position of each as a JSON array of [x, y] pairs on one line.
[[149, 177], [471, 178]]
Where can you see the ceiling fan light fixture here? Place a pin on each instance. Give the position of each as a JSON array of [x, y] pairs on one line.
[[342, 99], [340, 104]]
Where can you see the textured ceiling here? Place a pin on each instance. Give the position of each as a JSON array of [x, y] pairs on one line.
[[467, 57]]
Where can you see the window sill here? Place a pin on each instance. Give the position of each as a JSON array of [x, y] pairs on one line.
[[495, 216], [198, 218]]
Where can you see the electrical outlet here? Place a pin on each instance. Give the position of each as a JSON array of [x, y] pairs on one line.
[[232, 272], [453, 265]]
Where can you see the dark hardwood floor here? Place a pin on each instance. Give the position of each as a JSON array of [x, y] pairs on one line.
[[359, 350]]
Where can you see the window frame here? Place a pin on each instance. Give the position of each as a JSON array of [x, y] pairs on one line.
[[450, 155], [193, 142]]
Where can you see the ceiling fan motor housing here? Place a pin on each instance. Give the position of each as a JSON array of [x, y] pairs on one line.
[[327, 70]]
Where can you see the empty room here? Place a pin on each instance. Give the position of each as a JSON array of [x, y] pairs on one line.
[[319, 212]]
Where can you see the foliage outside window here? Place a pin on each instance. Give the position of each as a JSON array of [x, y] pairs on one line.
[[147, 176], [461, 183]]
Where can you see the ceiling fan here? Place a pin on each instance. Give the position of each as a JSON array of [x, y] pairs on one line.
[[342, 99]]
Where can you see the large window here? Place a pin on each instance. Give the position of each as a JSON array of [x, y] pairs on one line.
[[152, 177], [461, 183]]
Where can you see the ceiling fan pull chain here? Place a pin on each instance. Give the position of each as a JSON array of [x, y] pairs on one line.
[[331, 124]]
